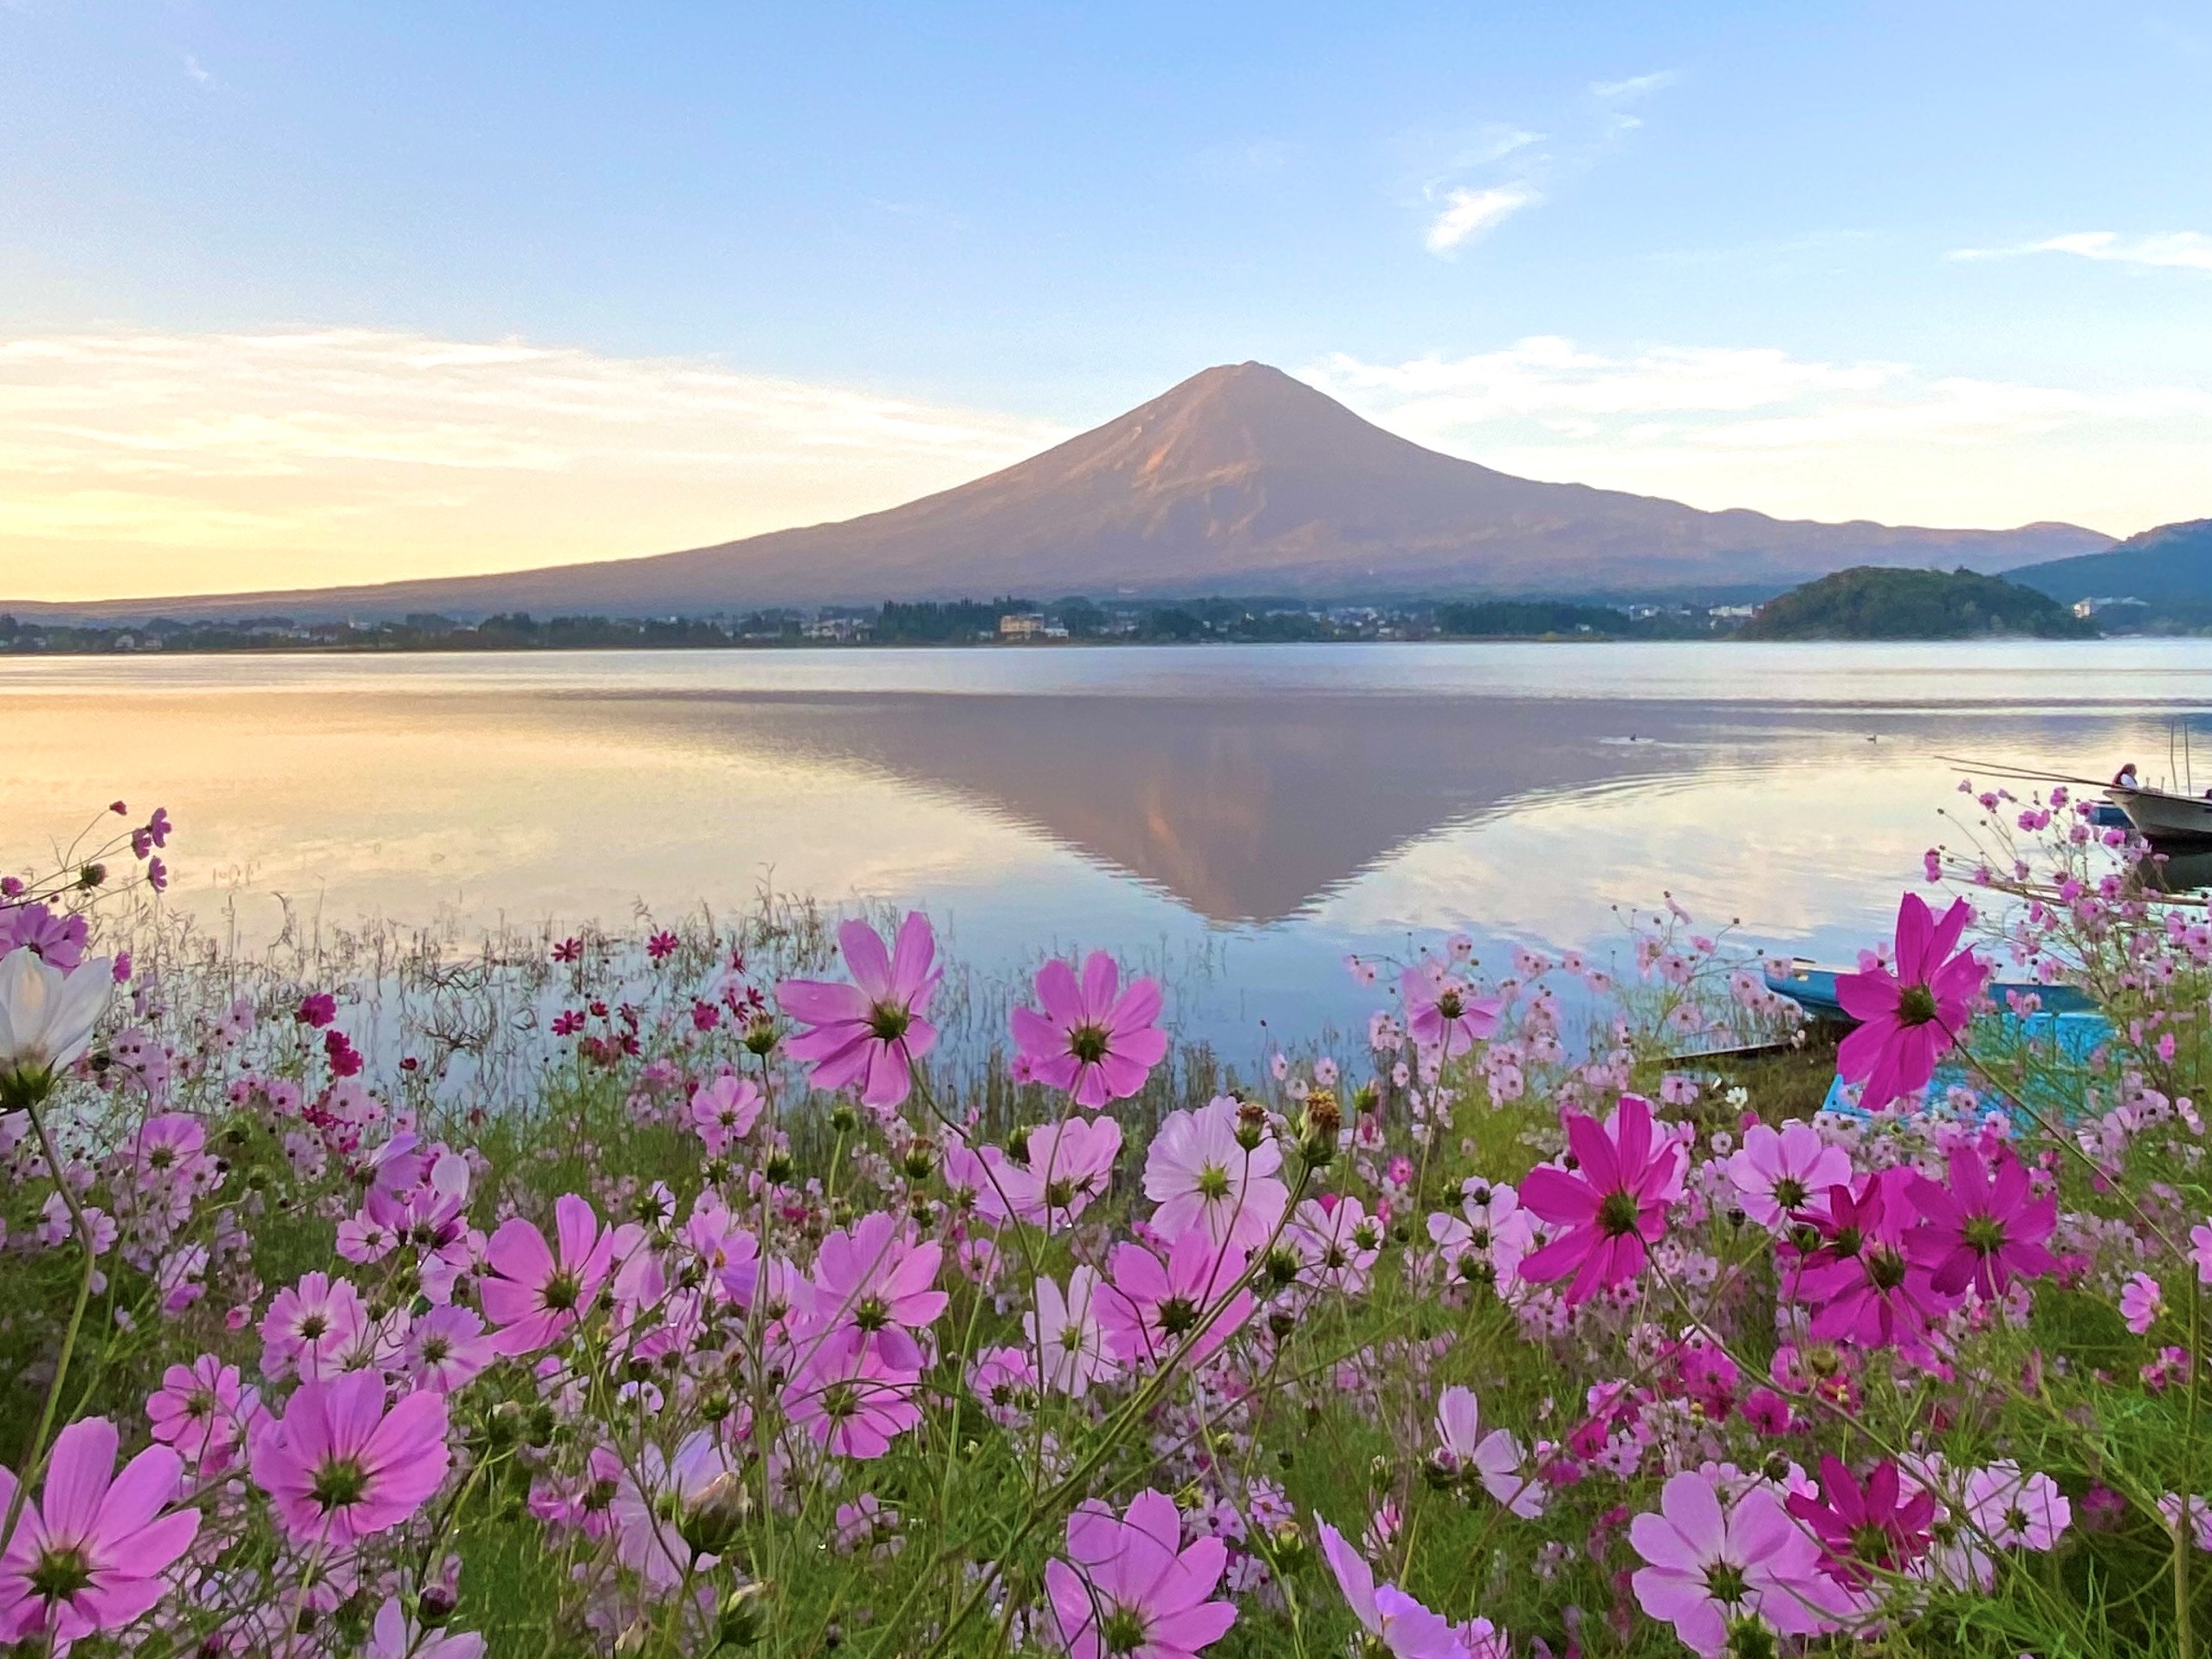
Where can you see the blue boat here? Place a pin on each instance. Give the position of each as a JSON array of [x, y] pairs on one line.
[[1814, 990]]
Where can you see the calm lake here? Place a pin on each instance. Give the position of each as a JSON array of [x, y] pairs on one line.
[[1237, 816]]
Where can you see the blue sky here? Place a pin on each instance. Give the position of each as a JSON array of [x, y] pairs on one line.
[[1950, 263]]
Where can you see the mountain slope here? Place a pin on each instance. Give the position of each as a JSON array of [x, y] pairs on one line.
[[2171, 562], [1239, 480]]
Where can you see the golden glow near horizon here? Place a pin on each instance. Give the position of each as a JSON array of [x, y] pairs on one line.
[[141, 463], [146, 463]]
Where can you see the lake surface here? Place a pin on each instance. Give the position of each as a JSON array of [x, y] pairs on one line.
[[1240, 816]]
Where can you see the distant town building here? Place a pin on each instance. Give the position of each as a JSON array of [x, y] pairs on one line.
[[1024, 624], [1733, 610], [2087, 607], [842, 630]]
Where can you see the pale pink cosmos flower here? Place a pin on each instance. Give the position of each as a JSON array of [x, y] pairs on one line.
[[1128, 1587], [1337, 1243], [1394, 1621], [395, 1636], [1151, 1308], [2200, 1250], [1201, 1176], [1069, 1164], [536, 1295], [724, 1111], [649, 1504], [1909, 1017], [2014, 1510], [90, 1554], [1497, 1458], [1444, 1014], [1065, 1332], [1778, 1173], [1710, 1564], [871, 1031], [1096, 1040], [341, 1468]]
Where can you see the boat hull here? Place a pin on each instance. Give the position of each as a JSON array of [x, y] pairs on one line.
[[2162, 817]]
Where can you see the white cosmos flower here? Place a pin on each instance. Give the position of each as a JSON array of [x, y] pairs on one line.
[[46, 1016]]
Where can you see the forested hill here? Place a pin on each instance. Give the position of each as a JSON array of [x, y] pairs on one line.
[[1870, 603]]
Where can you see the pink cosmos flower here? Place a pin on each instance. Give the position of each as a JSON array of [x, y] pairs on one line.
[[1096, 1040], [1150, 1308], [871, 1031], [539, 1296], [340, 1467], [1127, 1589], [2200, 1250], [310, 1326], [874, 1276], [1337, 1243], [1984, 1229], [446, 1348], [1201, 1174], [1710, 1565], [1065, 1332], [1394, 1621], [1908, 1018], [852, 1396], [1444, 1014], [1863, 1528], [202, 1410], [724, 1111], [1612, 1205], [1069, 1164], [90, 1554], [2141, 1301], [1778, 1173]]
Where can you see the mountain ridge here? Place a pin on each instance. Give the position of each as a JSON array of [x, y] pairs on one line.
[[2172, 561], [1239, 479]]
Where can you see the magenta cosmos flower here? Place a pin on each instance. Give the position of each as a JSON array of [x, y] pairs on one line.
[[340, 1467], [868, 1032], [1094, 1039], [536, 1294], [1908, 1019], [1710, 1565], [1394, 1621], [1127, 1589], [1863, 1528], [1443, 1013], [875, 1277], [89, 1555], [1613, 1203], [1985, 1228]]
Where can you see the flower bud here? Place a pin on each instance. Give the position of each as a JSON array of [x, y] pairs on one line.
[[1251, 1125], [434, 1606], [742, 1619], [760, 1036], [711, 1521], [842, 1118]]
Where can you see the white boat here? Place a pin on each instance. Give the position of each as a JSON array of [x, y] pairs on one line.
[[2162, 815]]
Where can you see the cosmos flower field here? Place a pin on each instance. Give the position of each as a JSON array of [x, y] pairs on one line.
[[681, 1292]]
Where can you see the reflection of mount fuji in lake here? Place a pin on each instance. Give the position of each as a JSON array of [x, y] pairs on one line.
[[1246, 808]]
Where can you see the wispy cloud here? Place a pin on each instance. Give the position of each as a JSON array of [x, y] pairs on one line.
[[1634, 86], [1469, 213], [143, 462], [1801, 438], [194, 70], [1472, 179], [2185, 250]]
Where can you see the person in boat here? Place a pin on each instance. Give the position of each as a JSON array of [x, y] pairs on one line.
[[2124, 778]]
